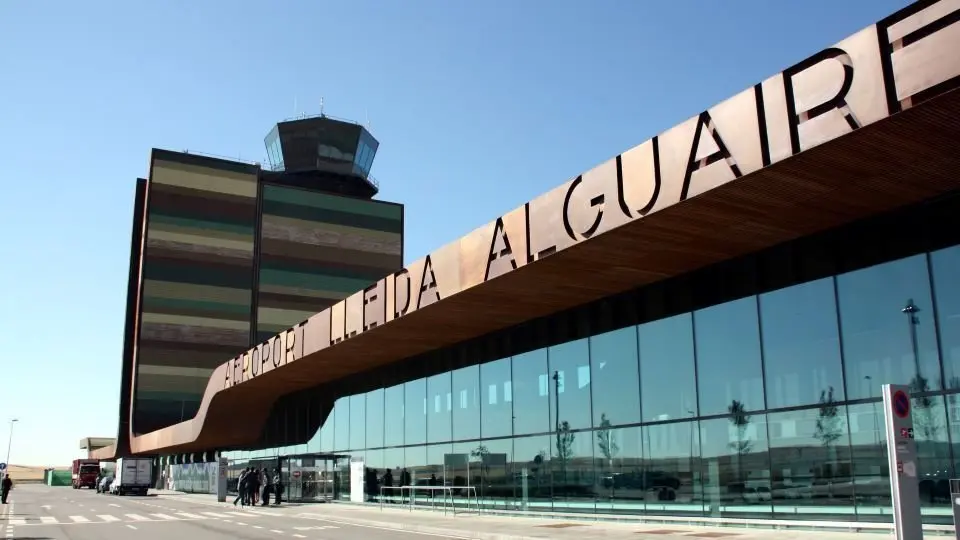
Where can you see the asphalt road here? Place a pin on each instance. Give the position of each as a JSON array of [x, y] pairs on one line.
[[39, 512]]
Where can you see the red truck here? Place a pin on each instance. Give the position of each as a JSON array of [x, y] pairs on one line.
[[85, 473]]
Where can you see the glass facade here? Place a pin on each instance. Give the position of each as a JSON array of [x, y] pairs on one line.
[[732, 394]]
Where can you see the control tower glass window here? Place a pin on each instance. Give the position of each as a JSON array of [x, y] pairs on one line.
[[274, 152], [366, 151]]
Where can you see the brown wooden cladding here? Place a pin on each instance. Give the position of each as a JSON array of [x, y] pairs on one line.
[[746, 174]]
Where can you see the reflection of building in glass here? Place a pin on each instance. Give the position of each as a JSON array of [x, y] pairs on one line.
[[698, 327], [234, 253]]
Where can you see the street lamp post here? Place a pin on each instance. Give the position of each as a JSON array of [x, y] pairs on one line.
[[911, 310], [10, 440]]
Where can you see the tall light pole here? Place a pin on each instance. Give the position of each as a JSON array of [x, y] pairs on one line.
[[911, 310], [10, 440]]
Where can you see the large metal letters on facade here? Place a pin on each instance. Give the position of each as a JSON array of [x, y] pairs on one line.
[[877, 72], [886, 68]]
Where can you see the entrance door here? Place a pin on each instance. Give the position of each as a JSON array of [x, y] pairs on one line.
[[294, 479]]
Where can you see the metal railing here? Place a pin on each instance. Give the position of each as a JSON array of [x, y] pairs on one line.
[[447, 491]]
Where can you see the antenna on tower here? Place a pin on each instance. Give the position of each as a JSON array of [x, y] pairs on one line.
[[296, 110], [321, 105], [366, 112]]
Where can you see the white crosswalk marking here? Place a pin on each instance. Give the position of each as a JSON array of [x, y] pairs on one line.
[[189, 516], [80, 519], [241, 514], [163, 516], [50, 520], [16, 521], [137, 517], [214, 514], [108, 518]]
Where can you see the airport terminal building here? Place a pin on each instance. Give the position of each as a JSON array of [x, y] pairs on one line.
[[698, 327]]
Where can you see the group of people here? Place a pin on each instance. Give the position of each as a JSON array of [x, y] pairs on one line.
[[254, 487]]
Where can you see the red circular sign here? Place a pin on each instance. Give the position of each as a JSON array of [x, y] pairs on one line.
[[901, 404]]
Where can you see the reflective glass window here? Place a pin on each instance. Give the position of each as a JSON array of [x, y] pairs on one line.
[[672, 476], [946, 285], [886, 317], [736, 467], [869, 461], [375, 418], [801, 344], [466, 403], [393, 406], [569, 369], [616, 384], [618, 469], [341, 436], [439, 407], [434, 473], [934, 462], [393, 462], [668, 385], [358, 421], [485, 465], [727, 337], [531, 391], [496, 398], [533, 458], [415, 412], [810, 462], [326, 433], [415, 463]]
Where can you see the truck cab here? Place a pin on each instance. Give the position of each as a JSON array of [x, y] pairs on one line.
[[85, 473]]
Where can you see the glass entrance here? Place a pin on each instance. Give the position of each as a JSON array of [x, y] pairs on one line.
[[310, 478]]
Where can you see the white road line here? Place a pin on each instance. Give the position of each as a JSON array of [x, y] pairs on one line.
[[214, 514], [276, 531], [79, 519], [132, 527], [242, 524], [115, 505], [240, 514], [189, 516], [299, 536], [137, 517], [257, 527], [108, 518], [163, 516], [48, 520], [16, 521]]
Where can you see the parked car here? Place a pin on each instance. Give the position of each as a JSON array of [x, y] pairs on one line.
[[104, 485]]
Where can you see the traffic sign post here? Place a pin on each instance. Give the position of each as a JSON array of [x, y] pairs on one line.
[[3, 466], [902, 458]]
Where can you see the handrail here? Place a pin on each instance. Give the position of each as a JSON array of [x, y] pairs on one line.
[[446, 490]]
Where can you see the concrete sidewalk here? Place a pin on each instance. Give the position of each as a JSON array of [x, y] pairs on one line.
[[560, 527]]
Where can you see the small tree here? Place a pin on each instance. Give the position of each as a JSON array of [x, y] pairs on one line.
[[828, 421], [565, 439], [608, 445]]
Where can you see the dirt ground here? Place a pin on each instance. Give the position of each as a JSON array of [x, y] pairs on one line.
[[23, 473]]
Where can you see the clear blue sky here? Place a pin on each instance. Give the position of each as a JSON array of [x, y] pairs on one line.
[[478, 106]]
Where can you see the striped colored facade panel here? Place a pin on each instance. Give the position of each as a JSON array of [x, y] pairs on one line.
[[317, 248], [197, 280]]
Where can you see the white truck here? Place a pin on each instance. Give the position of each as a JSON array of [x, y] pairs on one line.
[[134, 475]]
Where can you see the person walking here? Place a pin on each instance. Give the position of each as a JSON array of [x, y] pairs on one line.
[[253, 486], [5, 488], [277, 487], [267, 487], [241, 488]]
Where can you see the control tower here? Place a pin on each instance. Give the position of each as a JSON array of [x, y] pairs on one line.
[[321, 153]]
